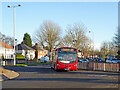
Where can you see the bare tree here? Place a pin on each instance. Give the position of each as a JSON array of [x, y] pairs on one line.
[[116, 41], [48, 35], [76, 32], [104, 49], [2, 37], [108, 48], [6, 39], [11, 41], [97, 52]]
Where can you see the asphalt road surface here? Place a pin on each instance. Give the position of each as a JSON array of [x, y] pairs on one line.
[[44, 77]]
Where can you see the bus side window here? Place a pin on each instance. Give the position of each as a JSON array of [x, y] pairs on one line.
[[56, 56]]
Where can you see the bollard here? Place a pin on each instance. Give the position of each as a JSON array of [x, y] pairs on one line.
[[94, 66], [3, 63], [104, 66], [117, 67]]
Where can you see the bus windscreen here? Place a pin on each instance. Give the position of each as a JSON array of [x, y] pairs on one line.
[[67, 55]]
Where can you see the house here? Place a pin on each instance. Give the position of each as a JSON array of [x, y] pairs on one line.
[[25, 50], [40, 52], [6, 51]]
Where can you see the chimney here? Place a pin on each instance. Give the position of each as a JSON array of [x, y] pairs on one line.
[[36, 46], [22, 42]]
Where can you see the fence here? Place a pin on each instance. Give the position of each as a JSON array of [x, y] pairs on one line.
[[7, 62], [21, 61], [11, 61], [99, 66], [115, 67]]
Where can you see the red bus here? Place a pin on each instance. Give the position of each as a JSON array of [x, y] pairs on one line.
[[64, 58]]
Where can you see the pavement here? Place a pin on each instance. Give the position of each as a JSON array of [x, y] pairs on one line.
[[6, 74]]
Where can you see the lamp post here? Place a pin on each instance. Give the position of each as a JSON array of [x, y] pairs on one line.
[[14, 28], [93, 41]]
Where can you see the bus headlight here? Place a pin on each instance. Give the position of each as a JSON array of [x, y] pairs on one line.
[[58, 65]]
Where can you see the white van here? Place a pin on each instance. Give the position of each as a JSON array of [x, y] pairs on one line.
[[42, 59], [45, 59]]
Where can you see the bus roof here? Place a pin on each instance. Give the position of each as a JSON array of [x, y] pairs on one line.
[[67, 47], [63, 47]]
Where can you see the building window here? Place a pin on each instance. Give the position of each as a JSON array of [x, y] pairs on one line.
[[31, 56], [44, 52], [9, 56], [40, 51], [8, 50]]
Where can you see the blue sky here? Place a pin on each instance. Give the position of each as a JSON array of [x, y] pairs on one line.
[[99, 17]]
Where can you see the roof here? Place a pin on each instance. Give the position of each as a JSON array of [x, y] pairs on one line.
[[23, 47], [5, 45], [39, 48]]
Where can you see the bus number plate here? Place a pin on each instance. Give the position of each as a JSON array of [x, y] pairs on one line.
[[66, 68]]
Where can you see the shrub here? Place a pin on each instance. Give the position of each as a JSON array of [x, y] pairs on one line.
[[2, 56], [19, 56]]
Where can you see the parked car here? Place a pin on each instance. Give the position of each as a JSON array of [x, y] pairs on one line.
[[80, 60], [100, 59], [91, 60], [83, 60], [42, 59], [112, 60]]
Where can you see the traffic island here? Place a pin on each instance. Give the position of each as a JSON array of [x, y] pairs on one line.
[[7, 74]]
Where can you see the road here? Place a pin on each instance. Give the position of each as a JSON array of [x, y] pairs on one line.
[[44, 77]]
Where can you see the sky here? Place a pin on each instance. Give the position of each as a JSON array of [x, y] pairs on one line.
[[99, 17]]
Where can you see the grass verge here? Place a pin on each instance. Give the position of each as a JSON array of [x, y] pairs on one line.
[[32, 64], [21, 65]]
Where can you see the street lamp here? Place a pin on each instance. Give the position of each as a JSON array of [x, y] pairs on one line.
[[9, 6], [93, 41]]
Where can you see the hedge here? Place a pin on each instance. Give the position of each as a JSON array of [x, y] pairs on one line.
[[19, 56]]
